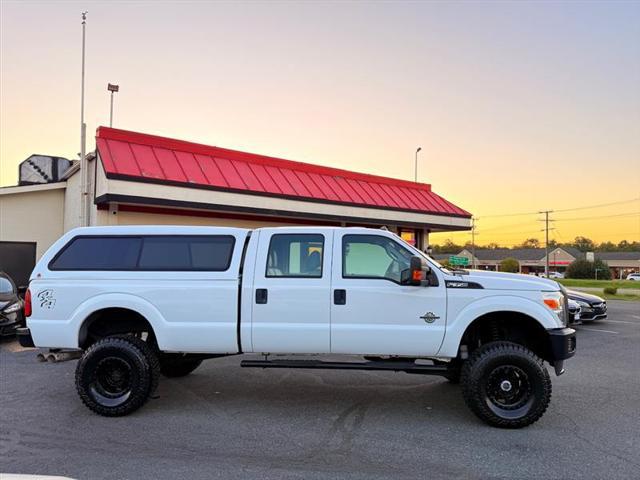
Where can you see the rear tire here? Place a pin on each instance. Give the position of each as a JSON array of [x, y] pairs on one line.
[[506, 385], [117, 375], [177, 366]]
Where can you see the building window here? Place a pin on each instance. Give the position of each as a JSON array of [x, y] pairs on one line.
[[409, 236], [295, 256]]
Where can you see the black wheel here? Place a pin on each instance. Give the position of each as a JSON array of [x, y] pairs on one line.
[[506, 385], [116, 375], [177, 365]]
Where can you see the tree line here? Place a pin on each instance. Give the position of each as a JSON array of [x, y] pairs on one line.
[[583, 244]]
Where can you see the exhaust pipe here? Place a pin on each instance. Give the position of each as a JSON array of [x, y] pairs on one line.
[[57, 356]]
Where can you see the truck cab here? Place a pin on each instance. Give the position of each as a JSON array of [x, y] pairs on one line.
[[179, 295]]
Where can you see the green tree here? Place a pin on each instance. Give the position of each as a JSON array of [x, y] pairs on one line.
[[587, 269], [626, 246], [447, 247], [510, 264], [530, 243], [584, 244]]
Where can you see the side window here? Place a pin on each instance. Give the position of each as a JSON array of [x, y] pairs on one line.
[[295, 255], [148, 253], [373, 256], [187, 253], [98, 253]]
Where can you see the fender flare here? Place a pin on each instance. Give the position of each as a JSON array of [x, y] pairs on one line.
[[457, 326], [120, 300]]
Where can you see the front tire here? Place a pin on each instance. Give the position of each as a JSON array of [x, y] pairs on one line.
[[117, 375], [506, 385]]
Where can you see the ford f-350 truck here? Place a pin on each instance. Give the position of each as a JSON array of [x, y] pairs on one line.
[[137, 301]]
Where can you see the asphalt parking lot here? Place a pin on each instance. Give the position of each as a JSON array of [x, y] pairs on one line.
[[227, 422]]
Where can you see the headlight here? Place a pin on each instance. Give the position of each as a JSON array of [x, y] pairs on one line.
[[14, 307], [555, 302], [583, 304]]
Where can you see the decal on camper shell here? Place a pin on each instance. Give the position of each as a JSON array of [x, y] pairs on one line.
[[46, 299]]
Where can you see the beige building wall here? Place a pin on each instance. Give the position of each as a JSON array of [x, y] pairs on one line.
[[32, 214], [72, 202]]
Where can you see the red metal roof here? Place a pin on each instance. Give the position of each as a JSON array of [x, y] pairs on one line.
[[141, 157]]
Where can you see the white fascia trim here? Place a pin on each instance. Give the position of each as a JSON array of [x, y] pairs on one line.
[[196, 195], [32, 188]]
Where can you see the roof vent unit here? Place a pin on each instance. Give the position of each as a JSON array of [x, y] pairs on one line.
[[39, 169]]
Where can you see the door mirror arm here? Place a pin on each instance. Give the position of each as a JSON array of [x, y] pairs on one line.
[[417, 274]]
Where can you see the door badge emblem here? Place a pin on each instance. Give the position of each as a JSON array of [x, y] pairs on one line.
[[429, 317]]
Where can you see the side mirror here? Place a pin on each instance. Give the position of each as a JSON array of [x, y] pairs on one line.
[[417, 272]]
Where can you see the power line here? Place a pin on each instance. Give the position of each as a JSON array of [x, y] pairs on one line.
[[577, 219], [562, 210], [637, 199]]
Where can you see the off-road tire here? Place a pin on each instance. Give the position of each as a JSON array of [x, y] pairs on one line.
[[128, 356], [176, 366], [493, 364]]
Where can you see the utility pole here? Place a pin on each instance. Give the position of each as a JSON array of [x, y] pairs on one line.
[[84, 174], [473, 242], [546, 241]]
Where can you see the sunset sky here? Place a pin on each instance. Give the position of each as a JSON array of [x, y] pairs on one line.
[[518, 107]]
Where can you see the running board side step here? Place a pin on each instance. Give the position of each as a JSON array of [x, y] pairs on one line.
[[393, 365]]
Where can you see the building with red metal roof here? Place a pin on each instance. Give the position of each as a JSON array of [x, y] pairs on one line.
[[136, 178]]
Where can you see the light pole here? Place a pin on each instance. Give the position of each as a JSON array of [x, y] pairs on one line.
[[84, 175], [416, 165], [112, 88]]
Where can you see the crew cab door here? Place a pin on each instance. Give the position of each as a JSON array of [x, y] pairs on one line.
[[291, 292], [371, 312]]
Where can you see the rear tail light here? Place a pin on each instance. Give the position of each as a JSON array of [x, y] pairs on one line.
[[27, 303]]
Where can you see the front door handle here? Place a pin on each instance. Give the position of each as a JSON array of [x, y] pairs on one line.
[[340, 297], [262, 295]]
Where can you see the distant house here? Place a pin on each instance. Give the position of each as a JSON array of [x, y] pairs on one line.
[[532, 260], [620, 263]]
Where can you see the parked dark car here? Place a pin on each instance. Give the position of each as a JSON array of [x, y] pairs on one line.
[[592, 307], [11, 306], [574, 312]]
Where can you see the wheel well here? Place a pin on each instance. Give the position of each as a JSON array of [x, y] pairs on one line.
[[511, 326], [113, 321]]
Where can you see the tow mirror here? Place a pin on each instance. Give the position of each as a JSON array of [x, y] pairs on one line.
[[417, 272]]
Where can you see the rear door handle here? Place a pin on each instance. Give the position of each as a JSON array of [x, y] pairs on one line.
[[262, 295], [340, 297]]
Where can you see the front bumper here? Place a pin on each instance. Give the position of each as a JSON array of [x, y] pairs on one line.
[[562, 345], [9, 324]]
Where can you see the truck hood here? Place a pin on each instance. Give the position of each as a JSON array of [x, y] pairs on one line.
[[508, 281]]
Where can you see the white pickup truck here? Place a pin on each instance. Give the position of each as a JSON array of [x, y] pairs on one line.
[[136, 301]]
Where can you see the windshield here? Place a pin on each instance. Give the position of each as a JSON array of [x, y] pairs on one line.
[[5, 285]]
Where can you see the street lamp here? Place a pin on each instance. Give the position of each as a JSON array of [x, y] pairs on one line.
[[416, 165], [112, 88]]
